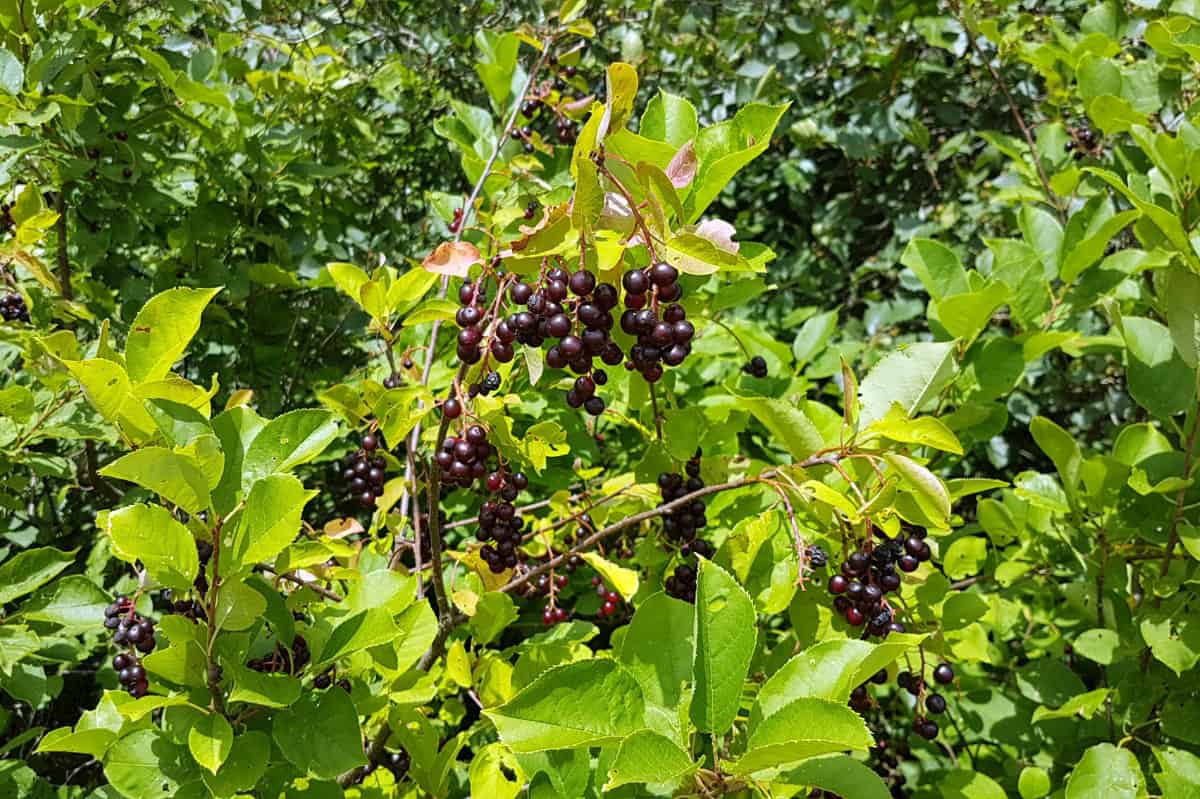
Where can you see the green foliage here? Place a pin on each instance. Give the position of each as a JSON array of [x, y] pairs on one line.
[[960, 239]]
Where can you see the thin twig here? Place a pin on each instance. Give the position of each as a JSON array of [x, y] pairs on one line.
[[1020, 120], [312, 585]]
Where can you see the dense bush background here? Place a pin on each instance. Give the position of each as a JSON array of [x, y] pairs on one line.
[[148, 146]]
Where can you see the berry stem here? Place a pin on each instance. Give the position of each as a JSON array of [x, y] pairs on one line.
[[638, 219], [658, 421]]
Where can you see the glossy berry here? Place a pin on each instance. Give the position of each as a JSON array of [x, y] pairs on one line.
[[943, 674], [935, 703]]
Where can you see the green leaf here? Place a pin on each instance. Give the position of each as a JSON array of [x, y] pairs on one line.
[[647, 756], [1024, 270], [838, 774], [493, 613], [175, 477], [1159, 379], [271, 690], [495, 772], [1062, 449], [828, 670], [12, 73], [210, 740], [968, 314], [812, 337], [1099, 644], [803, 728], [937, 267], [657, 649], [110, 392], [245, 766], [624, 580], [73, 602], [926, 488], [16, 402], [271, 518], [726, 633], [585, 703], [695, 255], [236, 428], [621, 81], [669, 118], [146, 764], [925, 431], [286, 442], [1181, 290], [363, 630], [30, 570], [724, 148], [1180, 776], [787, 425], [319, 734], [964, 784], [162, 330], [238, 606], [965, 557], [912, 376], [1082, 706], [1107, 771], [589, 193], [150, 534], [1034, 783], [94, 742]]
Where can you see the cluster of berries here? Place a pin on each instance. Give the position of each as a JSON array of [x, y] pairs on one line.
[[682, 583], [489, 383], [661, 340], [756, 367], [188, 608], [136, 632], [283, 660], [1083, 142], [463, 459], [866, 578], [6, 217], [499, 521], [681, 524], [456, 223], [325, 679], [13, 308], [364, 472], [934, 703]]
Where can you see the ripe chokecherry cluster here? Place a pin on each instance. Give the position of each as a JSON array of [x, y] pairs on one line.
[[661, 339], [934, 703], [284, 660], [136, 632], [565, 129], [681, 524], [13, 308], [499, 521], [1083, 142], [364, 472], [577, 311], [682, 583], [756, 367], [463, 459], [489, 383], [867, 577]]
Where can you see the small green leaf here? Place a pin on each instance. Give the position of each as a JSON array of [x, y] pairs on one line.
[[838, 774], [1107, 771], [210, 740], [803, 728], [937, 267], [624, 580], [787, 424], [647, 756], [928, 490], [271, 518], [238, 606], [146, 764]]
